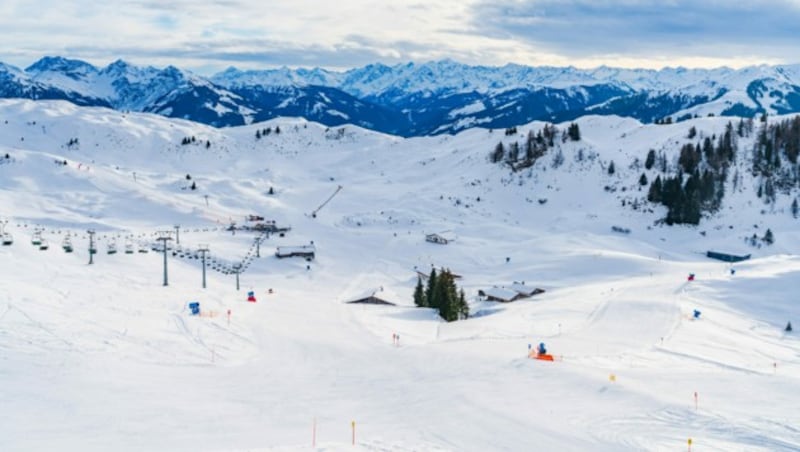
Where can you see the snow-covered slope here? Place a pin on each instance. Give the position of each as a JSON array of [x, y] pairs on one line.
[[103, 356]]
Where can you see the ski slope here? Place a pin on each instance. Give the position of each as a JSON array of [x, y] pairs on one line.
[[104, 356]]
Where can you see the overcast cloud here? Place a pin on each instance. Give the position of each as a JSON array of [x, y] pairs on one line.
[[210, 35]]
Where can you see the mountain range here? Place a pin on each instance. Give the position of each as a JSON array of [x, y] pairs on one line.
[[413, 99]]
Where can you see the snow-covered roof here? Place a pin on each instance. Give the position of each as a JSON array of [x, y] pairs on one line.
[[501, 293], [295, 249], [384, 293], [449, 236], [523, 289]]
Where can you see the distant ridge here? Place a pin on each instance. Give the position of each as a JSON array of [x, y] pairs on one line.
[[411, 99]]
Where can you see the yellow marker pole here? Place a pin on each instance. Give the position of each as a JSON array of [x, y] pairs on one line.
[[353, 427], [690, 444]]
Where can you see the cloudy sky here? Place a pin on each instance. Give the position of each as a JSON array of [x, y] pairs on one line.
[[208, 36]]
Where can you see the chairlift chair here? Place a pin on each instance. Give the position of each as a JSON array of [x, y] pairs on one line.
[[43, 245], [67, 244], [8, 239]]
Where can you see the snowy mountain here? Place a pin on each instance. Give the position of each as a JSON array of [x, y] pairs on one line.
[[108, 357], [412, 99]]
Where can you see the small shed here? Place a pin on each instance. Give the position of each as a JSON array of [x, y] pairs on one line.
[[305, 251], [371, 299], [375, 296], [502, 294], [437, 238], [725, 257]]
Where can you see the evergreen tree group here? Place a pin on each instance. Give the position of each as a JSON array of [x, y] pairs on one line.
[[699, 184], [775, 158], [574, 132], [265, 132], [520, 156], [441, 294]]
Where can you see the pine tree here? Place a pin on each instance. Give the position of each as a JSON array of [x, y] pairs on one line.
[[654, 195], [429, 290], [768, 237], [530, 150], [419, 294], [258, 134], [643, 180], [497, 155], [611, 168], [513, 153], [574, 132], [194, 185], [463, 307], [651, 159], [441, 296], [795, 209], [788, 327], [692, 132]]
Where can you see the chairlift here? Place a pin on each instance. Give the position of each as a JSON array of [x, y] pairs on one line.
[[112, 247], [36, 240], [8, 239], [128, 247], [43, 245]]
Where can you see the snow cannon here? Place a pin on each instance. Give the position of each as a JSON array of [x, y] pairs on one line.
[[696, 314], [541, 353], [194, 306], [691, 277], [251, 296]]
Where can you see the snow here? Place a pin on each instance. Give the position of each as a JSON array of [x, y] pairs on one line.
[[332, 112], [447, 76], [474, 107], [104, 356], [501, 293]]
